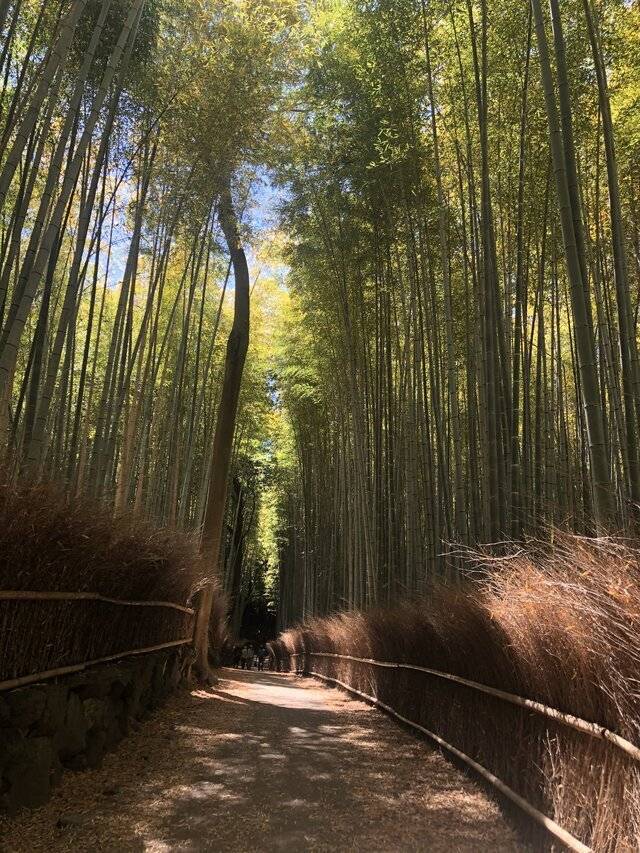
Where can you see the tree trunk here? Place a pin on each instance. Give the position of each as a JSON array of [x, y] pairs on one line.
[[237, 346]]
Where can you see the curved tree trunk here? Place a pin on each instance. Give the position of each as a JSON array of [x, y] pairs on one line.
[[237, 346]]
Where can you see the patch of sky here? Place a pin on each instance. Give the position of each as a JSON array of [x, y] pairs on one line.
[[262, 214], [121, 237], [273, 391]]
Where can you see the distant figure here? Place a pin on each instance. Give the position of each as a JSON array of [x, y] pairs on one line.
[[237, 656], [263, 654], [247, 656]]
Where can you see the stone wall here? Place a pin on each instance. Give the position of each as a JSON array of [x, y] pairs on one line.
[[72, 722]]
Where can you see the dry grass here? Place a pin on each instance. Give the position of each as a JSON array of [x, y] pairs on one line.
[[51, 543], [557, 624]]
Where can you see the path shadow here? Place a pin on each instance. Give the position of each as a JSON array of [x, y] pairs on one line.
[[279, 768]]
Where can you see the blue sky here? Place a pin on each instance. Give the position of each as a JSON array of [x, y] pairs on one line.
[[262, 214]]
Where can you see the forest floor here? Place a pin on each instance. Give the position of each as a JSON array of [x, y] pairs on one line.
[[267, 762]]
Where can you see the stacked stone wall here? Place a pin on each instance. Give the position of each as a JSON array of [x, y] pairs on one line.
[[73, 722]]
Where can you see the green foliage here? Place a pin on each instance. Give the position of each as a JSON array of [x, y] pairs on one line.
[[146, 40], [416, 291]]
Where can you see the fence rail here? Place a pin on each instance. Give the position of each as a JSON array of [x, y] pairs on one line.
[[24, 680], [19, 595], [594, 730], [139, 637], [550, 825], [586, 727]]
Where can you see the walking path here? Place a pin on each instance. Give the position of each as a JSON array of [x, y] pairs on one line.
[[266, 762]]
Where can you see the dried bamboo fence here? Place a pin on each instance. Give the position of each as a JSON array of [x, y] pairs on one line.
[[48, 634], [584, 727], [592, 729]]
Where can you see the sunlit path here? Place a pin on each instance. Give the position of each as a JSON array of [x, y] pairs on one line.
[[268, 762]]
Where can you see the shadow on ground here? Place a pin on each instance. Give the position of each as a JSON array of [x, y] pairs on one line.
[[270, 762]]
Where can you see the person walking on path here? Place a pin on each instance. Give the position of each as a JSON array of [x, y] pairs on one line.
[[263, 654], [247, 656]]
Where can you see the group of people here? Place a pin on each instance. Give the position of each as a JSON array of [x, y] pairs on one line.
[[245, 656]]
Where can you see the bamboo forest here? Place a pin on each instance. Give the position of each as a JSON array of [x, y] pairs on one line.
[[319, 338]]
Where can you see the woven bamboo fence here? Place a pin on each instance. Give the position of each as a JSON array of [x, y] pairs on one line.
[[47, 634], [310, 663]]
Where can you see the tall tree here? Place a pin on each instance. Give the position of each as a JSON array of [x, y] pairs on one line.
[[237, 345]]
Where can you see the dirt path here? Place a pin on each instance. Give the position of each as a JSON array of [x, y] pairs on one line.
[[266, 762]]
